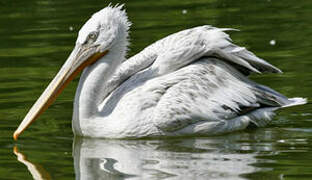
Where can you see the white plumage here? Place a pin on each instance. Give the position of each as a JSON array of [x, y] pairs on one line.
[[193, 82], [184, 84]]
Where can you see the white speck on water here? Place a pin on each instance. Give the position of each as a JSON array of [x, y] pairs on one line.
[[184, 11], [281, 141], [71, 28], [272, 42]]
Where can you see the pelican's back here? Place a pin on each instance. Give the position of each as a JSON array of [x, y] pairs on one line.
[[194, 82], [184, 47]]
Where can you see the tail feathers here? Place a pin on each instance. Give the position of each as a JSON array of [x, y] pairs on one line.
[[263, 116], [271, 98], [296, 101], [272, 101]]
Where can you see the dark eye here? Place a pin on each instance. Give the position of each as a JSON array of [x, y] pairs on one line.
[[92, 37]]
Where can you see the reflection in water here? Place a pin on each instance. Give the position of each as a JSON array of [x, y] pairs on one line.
[[198, 158], [150, 159], [260, 153], [36, 170]]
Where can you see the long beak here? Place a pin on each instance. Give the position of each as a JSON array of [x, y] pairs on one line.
[[80, 58]]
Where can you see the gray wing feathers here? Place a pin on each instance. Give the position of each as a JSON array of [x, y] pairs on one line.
[[211, 97], [184, 47], [209, 92], [222, 47], [258, 63], [197, 76]]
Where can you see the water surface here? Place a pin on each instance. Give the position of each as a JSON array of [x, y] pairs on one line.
[[37, 36]]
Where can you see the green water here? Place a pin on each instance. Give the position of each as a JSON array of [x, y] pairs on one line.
[[37, 36]]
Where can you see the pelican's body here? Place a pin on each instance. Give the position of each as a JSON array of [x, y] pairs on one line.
[[193, 82]]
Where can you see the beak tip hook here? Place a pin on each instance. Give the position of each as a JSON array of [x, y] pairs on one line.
[[15, 136]]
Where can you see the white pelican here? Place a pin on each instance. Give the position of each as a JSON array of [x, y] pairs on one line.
[[193, 82]]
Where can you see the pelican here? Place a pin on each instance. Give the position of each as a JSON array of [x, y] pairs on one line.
[[193, 82]]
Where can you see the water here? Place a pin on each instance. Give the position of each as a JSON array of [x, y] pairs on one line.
[[37, 36]]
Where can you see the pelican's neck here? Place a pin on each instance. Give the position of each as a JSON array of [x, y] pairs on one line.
[[91, 89]]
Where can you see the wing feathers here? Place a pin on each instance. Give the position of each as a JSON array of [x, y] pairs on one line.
[[222, 44], [184, 47]]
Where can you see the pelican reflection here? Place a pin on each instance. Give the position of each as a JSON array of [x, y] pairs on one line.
[[159, 159], [192, 158]]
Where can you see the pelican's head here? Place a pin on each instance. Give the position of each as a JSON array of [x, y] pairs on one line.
[[105, 31]]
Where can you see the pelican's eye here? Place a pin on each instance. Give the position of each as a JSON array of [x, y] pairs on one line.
[[92, 37]]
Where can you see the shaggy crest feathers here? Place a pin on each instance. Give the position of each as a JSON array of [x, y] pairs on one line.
[[114, 13], [111, 23]]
